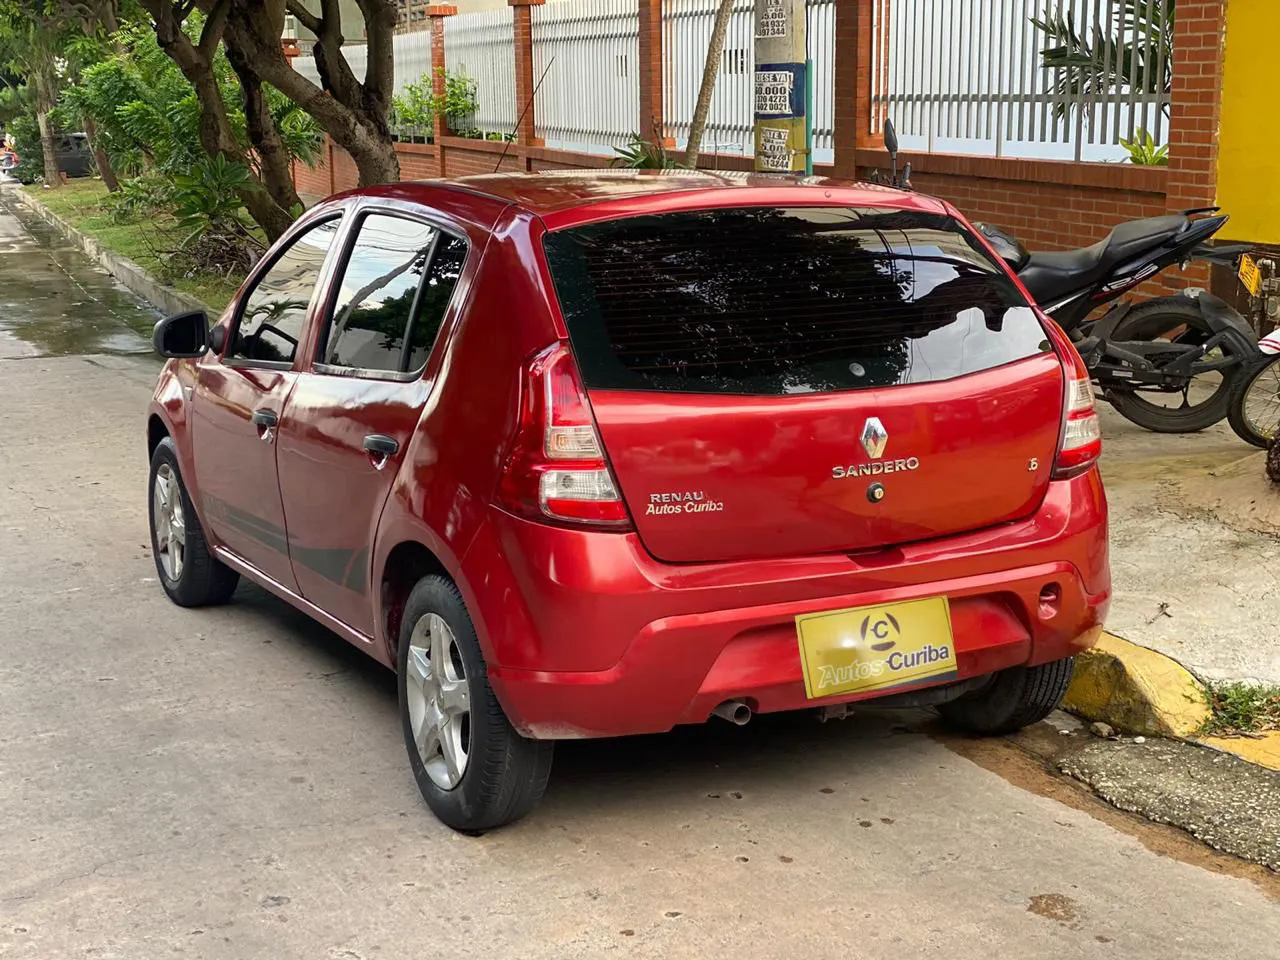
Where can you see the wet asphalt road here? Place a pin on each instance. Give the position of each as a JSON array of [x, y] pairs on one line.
[[53, 301], [232, 783]]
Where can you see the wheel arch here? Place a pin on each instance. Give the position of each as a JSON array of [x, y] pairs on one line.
[[409, 561], [157, 430]]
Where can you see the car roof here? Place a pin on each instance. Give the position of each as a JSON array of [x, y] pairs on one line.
[[563, 197]]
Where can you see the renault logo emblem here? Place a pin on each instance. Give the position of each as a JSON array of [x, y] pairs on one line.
[[874, 438]]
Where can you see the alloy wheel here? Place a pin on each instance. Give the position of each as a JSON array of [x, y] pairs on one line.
[[439, 701], [170, 521]]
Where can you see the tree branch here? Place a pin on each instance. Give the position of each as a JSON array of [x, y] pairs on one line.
[[304, 16], [331, 21], [380, 19], [214, 25]]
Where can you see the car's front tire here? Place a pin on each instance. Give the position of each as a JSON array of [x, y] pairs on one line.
[[189, 573], [475, 772], [1014, 699]]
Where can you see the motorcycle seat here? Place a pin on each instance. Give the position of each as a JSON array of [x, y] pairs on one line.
[[1055, 276]]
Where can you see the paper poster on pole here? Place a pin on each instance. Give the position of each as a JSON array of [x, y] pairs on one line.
[[780, 146], [771, 19], [779, 90]]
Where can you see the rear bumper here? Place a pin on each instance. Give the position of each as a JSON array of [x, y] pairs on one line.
[[594, 638]]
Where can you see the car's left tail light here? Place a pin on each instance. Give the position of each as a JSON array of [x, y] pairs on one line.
[[556, 470]]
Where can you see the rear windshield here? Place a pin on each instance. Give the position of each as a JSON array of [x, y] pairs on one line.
[[768, 301]]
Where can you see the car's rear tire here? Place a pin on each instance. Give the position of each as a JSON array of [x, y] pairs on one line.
[[1015, 698], [475, 772], [188, 571]]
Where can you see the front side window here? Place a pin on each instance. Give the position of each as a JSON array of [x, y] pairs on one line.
[[768, 301], [275, 310], [392, 298]]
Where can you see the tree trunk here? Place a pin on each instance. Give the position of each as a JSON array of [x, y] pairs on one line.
[[216, 136], [274, 162], [105, 169], [52, 176], [710, 70], [352, 113], [376, 162]]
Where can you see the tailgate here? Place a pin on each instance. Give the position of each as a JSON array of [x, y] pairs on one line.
[[786, 381]]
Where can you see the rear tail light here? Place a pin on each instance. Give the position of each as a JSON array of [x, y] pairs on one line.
[[1081, 444], [557, 470]]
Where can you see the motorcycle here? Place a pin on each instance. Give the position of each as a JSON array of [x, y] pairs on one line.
[[1138, 352], [1156, 348]]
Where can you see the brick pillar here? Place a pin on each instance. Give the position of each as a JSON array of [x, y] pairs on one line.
[[652, 125], [436, 16], [1198, 43], [522, 32], [861, 26]]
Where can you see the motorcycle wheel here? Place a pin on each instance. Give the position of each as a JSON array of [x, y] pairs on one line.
[[1156, 320], [1253, 409]]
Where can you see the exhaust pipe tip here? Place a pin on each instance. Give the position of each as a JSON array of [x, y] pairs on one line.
[[735, 711]]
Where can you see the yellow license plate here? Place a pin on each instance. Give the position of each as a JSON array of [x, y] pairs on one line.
[[876, 648], [1250, 275]]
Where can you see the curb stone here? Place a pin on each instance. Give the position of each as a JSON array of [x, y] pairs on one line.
[[131, 276], [1137, 690]]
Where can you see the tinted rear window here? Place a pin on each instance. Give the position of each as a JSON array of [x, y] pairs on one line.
[[767, 301]]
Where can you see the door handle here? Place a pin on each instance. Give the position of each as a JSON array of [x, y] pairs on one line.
[[265, 421], [380, 445]]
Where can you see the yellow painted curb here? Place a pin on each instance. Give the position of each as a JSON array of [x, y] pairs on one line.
[[1263, 750], [1136, 690]]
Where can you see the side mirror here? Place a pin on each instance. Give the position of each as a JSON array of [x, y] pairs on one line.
[[890, 139], [218, 338], [182, 335]]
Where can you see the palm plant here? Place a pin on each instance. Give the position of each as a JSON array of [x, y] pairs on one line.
[[642, 154], [1136, 54]]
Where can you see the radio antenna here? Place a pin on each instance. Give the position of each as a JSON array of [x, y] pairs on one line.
[[520, 119]]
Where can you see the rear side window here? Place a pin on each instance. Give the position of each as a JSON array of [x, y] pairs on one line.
[[769, 301], [395, 288]]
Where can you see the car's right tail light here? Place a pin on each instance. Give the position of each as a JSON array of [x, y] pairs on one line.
[[1081, 443], [557, 470], [1081, 432]]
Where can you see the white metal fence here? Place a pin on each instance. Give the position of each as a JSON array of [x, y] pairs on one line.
[[687, 26], [480, 45], [586, 54], [967, 76]]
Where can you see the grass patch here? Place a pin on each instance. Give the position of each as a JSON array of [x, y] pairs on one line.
[[1243, 708], [83, 204]]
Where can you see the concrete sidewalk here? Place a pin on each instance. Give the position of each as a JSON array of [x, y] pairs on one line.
[[1194, 552]]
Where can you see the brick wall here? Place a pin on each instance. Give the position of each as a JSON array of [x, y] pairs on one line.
[[1049, 205]]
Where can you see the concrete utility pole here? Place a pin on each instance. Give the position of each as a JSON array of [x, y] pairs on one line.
[[781, 88]]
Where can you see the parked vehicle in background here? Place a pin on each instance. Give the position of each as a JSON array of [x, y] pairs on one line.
[[596, 454], [1167, 364], [75, 158]]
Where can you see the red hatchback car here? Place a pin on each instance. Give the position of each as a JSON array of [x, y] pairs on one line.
[[596, 454]]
